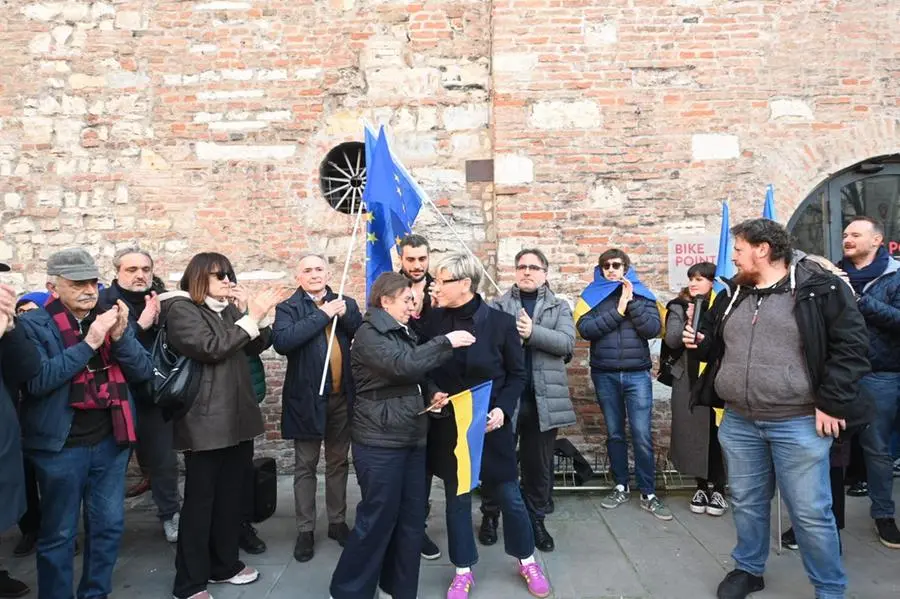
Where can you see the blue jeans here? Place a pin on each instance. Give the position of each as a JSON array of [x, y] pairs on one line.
[[384, 547], [75, 477], [789, 452], [619, 393], [518, 536], [875, 440]]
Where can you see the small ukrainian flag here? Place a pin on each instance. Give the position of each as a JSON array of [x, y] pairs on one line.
[[470, 409]]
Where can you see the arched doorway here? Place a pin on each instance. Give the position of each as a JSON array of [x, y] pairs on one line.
[[870, 188]]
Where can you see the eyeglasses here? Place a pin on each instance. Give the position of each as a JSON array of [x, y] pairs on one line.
[[438, 282], [612, 265], [222, 275], [531, 267]]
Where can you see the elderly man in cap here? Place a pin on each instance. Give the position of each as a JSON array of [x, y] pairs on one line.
[[18, 361], [78, 424]]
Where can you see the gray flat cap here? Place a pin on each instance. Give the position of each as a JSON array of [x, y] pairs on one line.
[[74, 264]]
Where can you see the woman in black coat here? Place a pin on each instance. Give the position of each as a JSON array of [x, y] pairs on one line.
[[389, 432], [496, 356]]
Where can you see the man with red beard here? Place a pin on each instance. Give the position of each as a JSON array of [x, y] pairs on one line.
[[786, 347]]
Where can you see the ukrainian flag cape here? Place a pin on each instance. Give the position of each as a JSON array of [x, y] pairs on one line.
[[601, 289], [470, 409]]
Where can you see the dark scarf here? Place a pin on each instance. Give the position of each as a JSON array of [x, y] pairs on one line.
[[101, 385], [860, 277], [135, 299], [461, 318]]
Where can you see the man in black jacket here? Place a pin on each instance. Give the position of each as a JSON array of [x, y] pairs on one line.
[[138, 288], [414, 261], [874, 276], [301, 332], [786, 348]]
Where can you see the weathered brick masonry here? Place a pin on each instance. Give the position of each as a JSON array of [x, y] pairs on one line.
[[193, 125]]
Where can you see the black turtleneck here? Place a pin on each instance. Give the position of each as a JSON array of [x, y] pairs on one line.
[[461, 318], [134, 299]]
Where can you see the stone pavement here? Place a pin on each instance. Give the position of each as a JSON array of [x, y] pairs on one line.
[[622, 554]]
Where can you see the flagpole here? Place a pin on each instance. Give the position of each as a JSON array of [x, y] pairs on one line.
[[463, 243], [340, 296]]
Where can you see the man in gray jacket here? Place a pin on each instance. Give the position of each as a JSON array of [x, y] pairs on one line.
[[547, 331]]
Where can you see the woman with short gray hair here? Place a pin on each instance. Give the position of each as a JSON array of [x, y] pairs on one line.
[[495, 356]]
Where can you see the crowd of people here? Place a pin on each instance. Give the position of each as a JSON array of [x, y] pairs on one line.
[[792, 363]]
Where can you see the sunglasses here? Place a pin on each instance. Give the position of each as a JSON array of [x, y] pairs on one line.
[[612, 265], [222, 275], [531, 267]]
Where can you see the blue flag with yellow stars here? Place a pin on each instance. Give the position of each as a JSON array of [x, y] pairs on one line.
[[392, 202]]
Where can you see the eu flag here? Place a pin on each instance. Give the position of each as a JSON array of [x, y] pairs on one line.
[[392, 200], [470, 409]]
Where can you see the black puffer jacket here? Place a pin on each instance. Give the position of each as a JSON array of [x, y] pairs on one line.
[[619, 343], [389, 371]]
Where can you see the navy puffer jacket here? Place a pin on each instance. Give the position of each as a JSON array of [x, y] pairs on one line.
[[880, 306], [619, 343]]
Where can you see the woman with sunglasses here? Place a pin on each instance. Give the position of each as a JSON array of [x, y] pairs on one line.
[[211, 323], [495, 356]]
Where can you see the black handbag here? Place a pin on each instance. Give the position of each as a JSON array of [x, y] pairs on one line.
[[176, 378], [265, 489], [667, 359]]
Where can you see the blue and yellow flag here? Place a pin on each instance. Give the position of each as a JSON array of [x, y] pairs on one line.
[[470, 409], [602, 288]]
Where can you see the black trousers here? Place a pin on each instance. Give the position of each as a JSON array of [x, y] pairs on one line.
[[248, 495], [715, 460], [30, 522], [535, 464], [856, 471], [210, 517]]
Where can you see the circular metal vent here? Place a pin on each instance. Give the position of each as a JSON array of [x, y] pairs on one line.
[[342, 176]]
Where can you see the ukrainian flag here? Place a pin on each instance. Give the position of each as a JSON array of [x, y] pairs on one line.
[[470, 409], [602, 288]]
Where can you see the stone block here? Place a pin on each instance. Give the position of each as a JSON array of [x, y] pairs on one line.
[[216, 151], [37, 130], [74, 106], [515, 62], [237, 125], [131, 20], [513, 169], [789, 109], [6, 251], [419, 82], [467, 116], [275, 115], [605, 195], [714, 146], [344, 123], [41, 43], [75, 11], [601, 34], [237, 94], [12, 200], [203, 49], [82, 81], [560, 114], [42, 11], [61, 34], [223, 5], [124, 79]]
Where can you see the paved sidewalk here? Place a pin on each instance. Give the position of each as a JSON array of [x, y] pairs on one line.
[[621, 554]]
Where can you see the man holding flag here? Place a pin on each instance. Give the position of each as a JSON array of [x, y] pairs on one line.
[[618, 315]]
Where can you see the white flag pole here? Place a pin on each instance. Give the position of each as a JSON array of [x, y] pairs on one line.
[[425, 197], [359, 212]]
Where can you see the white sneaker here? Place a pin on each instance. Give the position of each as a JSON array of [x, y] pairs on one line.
[[200, 595], [245, 576], [170, 527]]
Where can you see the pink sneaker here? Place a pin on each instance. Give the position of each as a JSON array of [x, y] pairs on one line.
[[538, 585], [461, 585]]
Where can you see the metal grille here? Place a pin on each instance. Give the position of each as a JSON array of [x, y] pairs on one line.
[[342, 176]]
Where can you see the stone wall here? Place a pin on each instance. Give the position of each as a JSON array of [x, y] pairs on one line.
[[190, 125]]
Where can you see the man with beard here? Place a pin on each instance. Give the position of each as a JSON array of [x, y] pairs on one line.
[[78, 424], [786, 347], [414, 256], [875, 279], [414, 261], [136, 286]]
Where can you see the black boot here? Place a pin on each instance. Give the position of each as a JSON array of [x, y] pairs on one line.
[[10, 587], [488, 533], [542, 538], [339, 532], [738, 584], [303, 548], [26, 545], [249, 541]]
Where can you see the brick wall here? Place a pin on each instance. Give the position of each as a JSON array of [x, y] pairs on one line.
[[194, 125]]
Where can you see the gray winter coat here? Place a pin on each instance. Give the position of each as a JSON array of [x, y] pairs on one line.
[[552, 341]]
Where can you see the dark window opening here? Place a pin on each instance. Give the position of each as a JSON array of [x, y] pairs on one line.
[[342, 176]]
